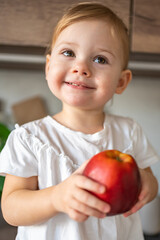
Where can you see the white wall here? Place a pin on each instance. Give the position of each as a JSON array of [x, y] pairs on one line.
[[18, 85], [140, 101]]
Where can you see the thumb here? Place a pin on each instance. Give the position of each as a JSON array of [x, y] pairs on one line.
[[82, 167]]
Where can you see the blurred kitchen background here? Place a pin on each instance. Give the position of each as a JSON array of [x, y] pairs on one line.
[[25, 31]]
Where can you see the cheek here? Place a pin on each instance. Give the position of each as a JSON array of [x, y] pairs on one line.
[[107, 87], [53, 80], [108, 82], [55, 74]]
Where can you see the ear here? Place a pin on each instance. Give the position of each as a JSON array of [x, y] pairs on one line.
[[48, 57], [124, 80]]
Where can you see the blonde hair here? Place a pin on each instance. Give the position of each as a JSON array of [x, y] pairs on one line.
[[88, 10]]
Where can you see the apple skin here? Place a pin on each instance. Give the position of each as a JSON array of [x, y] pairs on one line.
[[119, 173]]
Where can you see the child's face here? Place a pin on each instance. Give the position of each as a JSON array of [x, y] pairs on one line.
[[85, 66]]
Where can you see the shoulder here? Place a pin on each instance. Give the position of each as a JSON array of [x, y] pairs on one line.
[[124, 126], [35, 125], [35, 128], [120, 121], [28, 133]]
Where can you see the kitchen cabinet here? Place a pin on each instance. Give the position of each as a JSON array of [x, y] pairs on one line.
[[146, 26], [30, 23], [26, 27]]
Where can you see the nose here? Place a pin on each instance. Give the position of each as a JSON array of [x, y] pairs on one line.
[[82, 69]]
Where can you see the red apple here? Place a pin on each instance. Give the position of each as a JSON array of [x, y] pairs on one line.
[[119, 173]]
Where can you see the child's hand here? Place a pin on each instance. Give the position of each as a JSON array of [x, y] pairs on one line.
[[148, 192], [73, 198]]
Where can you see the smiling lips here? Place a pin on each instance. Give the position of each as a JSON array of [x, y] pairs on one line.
[[79, 85]]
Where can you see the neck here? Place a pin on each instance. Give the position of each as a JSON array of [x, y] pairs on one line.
[[86, 121]]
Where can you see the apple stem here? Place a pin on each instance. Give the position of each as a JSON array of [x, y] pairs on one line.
[[118, 158]]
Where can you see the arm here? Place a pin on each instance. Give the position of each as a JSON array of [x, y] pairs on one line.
[[148, 192], [23, 204]]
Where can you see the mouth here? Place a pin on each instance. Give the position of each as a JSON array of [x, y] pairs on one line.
[[79, 85]]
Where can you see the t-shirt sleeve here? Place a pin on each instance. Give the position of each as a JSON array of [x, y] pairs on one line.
[[145, 154], [18, 156]]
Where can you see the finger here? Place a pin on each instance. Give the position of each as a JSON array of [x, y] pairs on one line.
[[142, 194], [82, 167], [85, 209], [88, 184], [77, 216], [142, 201], [91, 201], [135, 208]]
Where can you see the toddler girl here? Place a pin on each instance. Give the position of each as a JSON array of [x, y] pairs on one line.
[[45, 193]]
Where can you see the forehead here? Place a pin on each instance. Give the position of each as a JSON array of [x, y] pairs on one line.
[[93, 29]]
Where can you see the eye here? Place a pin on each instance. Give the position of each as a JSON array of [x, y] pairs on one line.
[[100, 59], [68, 53]]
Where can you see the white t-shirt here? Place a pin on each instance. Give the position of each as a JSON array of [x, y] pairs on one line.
[[46, 149]]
